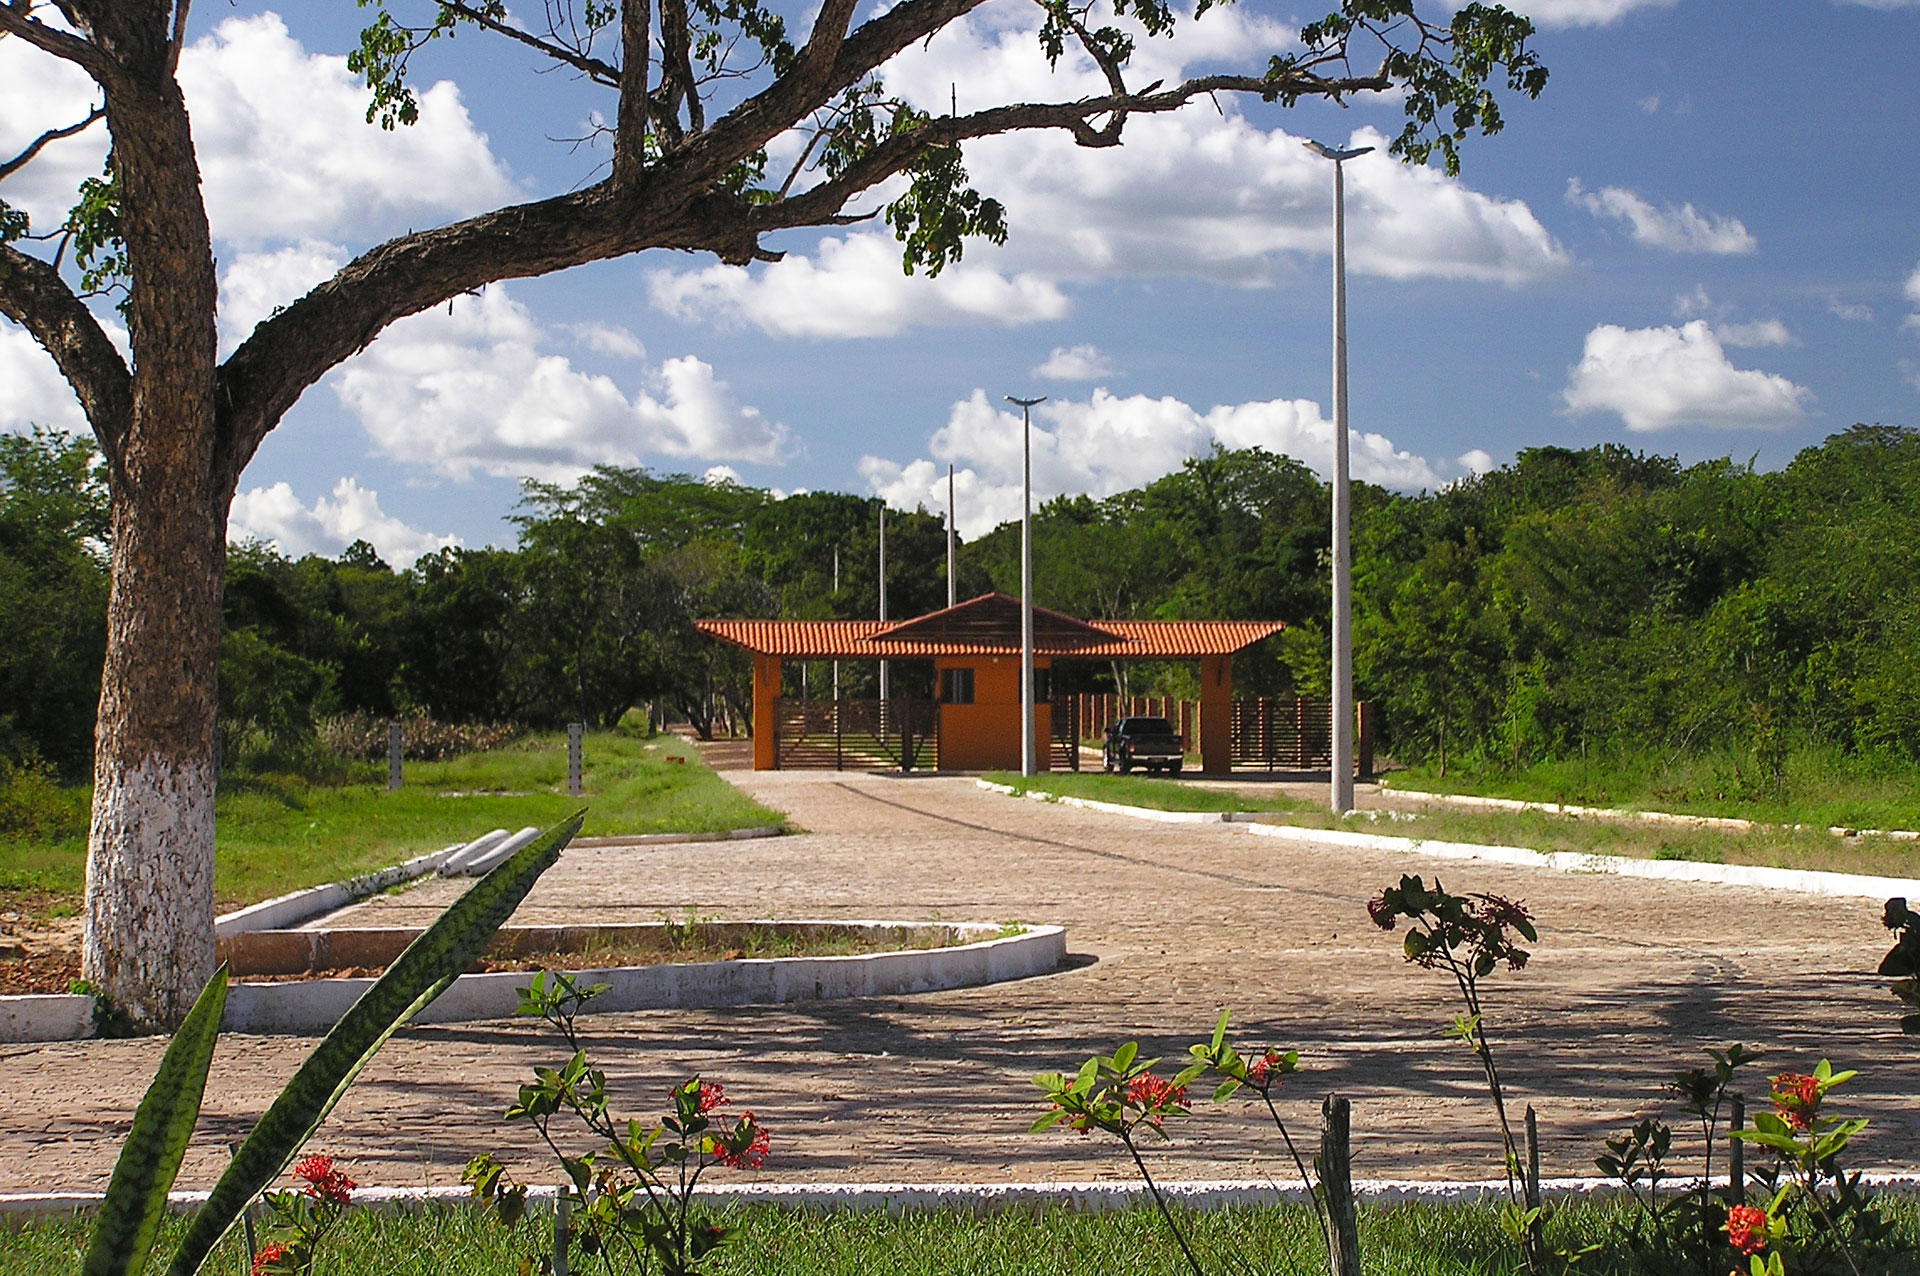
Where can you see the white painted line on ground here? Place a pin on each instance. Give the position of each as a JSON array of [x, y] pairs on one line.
[[1114, 808], [908, 1198]]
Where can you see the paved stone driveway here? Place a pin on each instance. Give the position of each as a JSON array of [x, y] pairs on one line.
[[1168, 923]]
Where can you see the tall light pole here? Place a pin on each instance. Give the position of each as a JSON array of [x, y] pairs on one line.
[[1341, 759], [953, 596], [883, 613], [1028, 766]]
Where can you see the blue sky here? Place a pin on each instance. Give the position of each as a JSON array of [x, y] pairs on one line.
[[1700, 241]]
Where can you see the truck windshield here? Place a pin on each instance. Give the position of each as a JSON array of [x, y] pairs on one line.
[[1146, 726]]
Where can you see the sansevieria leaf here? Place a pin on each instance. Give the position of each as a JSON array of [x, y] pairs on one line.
[[416, 977], [137, 1197]]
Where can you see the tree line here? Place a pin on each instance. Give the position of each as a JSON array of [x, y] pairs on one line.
[[1570, 601]]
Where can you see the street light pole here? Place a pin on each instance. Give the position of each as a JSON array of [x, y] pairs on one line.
[[952, 582], [1028, 764], [1341, 711]]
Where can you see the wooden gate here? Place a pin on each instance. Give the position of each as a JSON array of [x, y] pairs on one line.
[[1291, 733], [856, 735]]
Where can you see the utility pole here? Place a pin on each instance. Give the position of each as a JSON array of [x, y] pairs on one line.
[[883, 609], [1028, 761], [1341, 711], [836, 664], [953, 595]]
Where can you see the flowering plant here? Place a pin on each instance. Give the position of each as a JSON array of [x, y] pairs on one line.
[[1469, 937], [302, 1217], [1121, 1095], [633, 1195]]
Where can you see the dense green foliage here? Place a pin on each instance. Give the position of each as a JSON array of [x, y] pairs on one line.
[[1571, 604]]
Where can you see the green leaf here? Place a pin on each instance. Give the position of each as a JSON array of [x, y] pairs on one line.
[[1124, 1056], [1226, 1090], [1220, 1030], [136, 1198], [1048, 1121], [417, 976]]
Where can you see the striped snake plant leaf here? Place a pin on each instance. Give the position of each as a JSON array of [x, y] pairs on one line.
[[416, 977], [136, 1199]]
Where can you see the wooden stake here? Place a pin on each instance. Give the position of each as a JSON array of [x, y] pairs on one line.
[[1335, 1168], [1737, 1155]]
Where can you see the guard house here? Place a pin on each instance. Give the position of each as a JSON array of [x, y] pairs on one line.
[[975, 651]]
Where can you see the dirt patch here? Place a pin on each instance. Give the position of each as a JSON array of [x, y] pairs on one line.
[[38, 954]]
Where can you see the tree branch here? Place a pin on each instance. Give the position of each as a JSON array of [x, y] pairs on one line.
[[891, 156], [33, 295], [180, 8], [61, 44], [20, 161], [632, 113], [604, 72]]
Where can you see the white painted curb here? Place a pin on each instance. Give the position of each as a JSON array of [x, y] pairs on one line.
[[1113, 808], [1651, 817], [286, 911], [465, 855], [897, 1199], [312, 1006], [1805, 881], [479, 864], [659, 839]]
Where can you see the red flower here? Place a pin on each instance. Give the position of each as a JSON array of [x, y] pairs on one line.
[[1747, 1229], [1796, 1097], [1381, 914], [747, 1149], [1155, 1097], [267, 1256], [711, 1096], [323, 1182], [1258, 1070]]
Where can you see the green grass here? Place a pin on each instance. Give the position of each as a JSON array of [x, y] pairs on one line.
[[1816, 786], [1773, 847], [1399, 1240], [1157, 793], [278, 834]]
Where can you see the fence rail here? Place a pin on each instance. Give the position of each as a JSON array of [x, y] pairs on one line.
[[860, 735]]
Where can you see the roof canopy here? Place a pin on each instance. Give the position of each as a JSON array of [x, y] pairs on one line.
[[990, 626]]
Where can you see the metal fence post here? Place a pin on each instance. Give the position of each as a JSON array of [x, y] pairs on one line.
[[396, 739], [575, 731]]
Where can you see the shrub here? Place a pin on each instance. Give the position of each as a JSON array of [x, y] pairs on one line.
[[363, 736], [33, 803]]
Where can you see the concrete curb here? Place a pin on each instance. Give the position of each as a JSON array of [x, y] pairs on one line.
[[286, 911], [1805, 881], [661, 839], [897, 1199], [312, 1006], [1114, 808], [1730, 823]]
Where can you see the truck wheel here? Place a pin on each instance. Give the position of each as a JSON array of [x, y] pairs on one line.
[[1126, 765], [1173, 768]]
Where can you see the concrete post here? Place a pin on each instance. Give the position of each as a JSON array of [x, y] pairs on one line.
[[575, 731], [1216, 714], [766, 696], [396, 739]]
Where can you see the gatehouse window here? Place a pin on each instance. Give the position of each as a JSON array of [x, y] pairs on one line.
[[956, 686]]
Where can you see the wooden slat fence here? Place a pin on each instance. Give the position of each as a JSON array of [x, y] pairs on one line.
[[856, 735]]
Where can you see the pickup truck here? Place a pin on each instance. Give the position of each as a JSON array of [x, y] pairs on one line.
[[1148, 742]]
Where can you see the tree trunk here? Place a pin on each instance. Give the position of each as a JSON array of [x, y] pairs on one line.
[[148, 942]]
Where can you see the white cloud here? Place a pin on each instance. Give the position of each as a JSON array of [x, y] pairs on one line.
[[1107, 444], [467, 387], [351, 514], [720, 476], [1659, 378], [1477, 461], [257, 284], [1200, 193], [1913, 281], [855, 288], [1679, 230], [1851, 311], [1075, 363], [1650, 104], [1765, 332], [284, 148], [608, 339], [1591, 13], [1885, 6], [32, 391]]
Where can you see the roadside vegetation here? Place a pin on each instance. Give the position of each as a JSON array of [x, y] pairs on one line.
[[282, 832], [1399, 1240]]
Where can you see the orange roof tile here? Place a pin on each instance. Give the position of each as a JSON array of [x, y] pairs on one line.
[[871, 640]]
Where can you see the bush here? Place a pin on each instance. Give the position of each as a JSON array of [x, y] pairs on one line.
[[33, 803], [363, 736]]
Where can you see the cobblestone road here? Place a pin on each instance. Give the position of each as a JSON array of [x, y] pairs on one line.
[[1167, 923]]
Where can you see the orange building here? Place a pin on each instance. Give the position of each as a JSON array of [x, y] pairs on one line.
[[975, 651]]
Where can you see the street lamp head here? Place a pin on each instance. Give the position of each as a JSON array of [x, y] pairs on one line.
[[1025, 403], [1334, 153]]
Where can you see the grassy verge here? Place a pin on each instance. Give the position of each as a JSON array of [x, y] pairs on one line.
[[1400, 1240], [1821, 787], [1133, 790], [278, 834], [1773, 847]]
